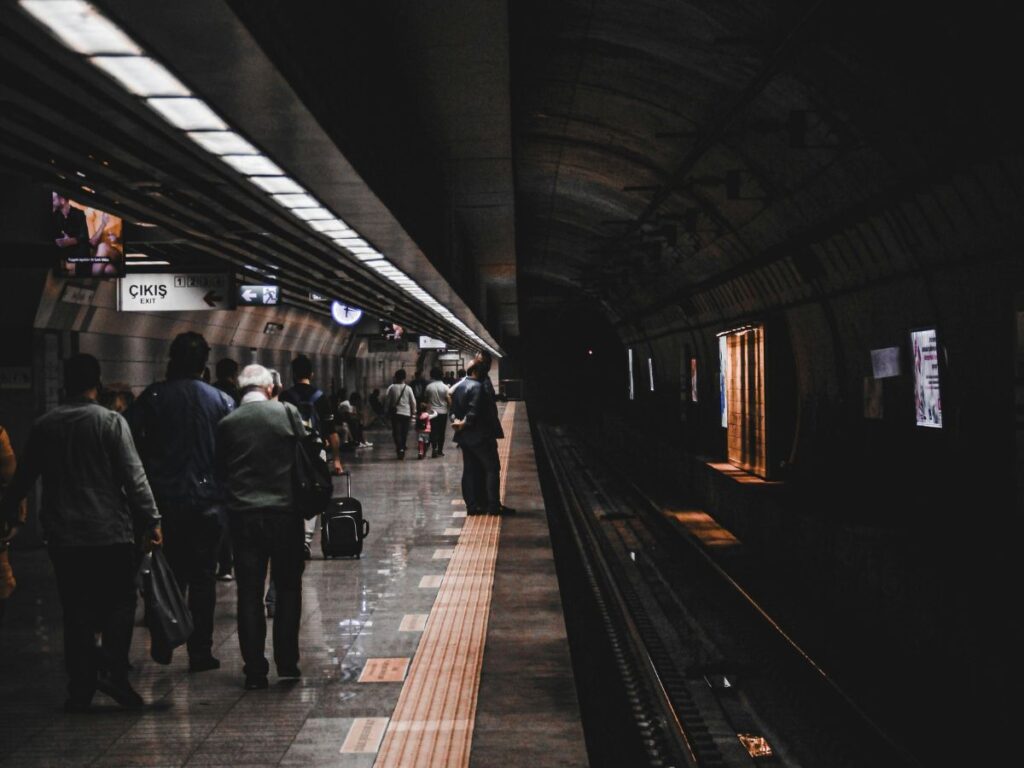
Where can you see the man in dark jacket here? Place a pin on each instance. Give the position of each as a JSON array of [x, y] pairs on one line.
[[175, 424], [477, 431], [96, 504], [255, 453]]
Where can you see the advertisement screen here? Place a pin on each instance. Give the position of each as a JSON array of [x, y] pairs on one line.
[[89, 242], [391, 331], [927, 400], [723, 362], [693, 379], [885, 363]]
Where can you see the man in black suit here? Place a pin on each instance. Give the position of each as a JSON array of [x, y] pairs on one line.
[[477, 431]]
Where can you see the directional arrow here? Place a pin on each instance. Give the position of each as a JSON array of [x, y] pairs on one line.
[[249, 295], [212, 298]]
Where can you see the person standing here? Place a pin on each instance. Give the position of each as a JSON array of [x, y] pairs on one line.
[[255, 453], [318, 416], [96, 504], [436, 395], [227, 378], [8, 466], [401, 406], [477, 431], [175, 423]]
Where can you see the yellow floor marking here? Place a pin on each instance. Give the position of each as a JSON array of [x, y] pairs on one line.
[[365, 734], [431, 582], [432, 724], [413, 622], [384, 670], [704, 527]]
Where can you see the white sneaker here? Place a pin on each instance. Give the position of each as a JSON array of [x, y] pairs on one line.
[[365, 445]]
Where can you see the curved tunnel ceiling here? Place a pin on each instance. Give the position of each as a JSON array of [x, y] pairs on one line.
[[665, 149]]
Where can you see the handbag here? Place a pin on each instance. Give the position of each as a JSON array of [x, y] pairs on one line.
[[393, 410], [167, 614], [312, 487]]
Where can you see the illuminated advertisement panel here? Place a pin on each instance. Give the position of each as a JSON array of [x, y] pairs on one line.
[[723, 364], [89, 241], [693, 379], [927, 399]]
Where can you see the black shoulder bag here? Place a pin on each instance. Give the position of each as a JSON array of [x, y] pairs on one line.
[[311, 476]]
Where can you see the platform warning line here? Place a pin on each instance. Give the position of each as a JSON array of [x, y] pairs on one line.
[[432, 724]]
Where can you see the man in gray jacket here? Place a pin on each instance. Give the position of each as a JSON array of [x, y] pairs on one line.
[[255, 453], [96, 504]]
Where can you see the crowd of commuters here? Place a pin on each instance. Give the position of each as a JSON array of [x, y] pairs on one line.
[[205, 472]]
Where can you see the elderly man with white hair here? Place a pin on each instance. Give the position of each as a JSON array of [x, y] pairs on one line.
[[255, 452]]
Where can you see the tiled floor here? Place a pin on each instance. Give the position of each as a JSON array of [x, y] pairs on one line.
[[353, 611]]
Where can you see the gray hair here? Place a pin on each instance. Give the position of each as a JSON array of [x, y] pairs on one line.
[[255, 376]]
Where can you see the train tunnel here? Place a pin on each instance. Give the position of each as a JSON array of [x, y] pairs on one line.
[[750, 279]]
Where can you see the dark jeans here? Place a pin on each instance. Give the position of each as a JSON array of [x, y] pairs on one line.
[[259, 537], [438, 425], [400, 431], [97, 590], [481, 476], [192, 541], [355, 426]]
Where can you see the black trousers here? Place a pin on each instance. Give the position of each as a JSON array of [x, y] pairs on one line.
[[400, 431], [97, 590], [192, 542], [259, 537], [481, 476], [438, 425]]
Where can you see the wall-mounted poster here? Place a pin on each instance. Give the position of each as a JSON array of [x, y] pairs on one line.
[[723, 363], [632, 390], [885, 363], [927, 399], [693, 379]]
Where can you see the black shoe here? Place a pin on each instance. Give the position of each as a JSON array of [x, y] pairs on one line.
[[440, 453], [225, 576], [120, 691], [256, 682], [503, 510], [203, 664], [292, 671], [307, 551]]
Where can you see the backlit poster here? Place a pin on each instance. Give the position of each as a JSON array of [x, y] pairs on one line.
[[723, 363], [927, 400], [632, 390], [89, 241], [693, 379]]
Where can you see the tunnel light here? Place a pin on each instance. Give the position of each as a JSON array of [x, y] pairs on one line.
[[276, 184], [132, 264], [80, 26], [296, 201], [374, 263], [330, 227], [253, 165], [225, 143], [368, 256], [141, 75], [188, 114], [354, 242], [360, 250], [311, 214]]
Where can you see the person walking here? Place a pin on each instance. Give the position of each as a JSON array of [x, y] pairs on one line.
[[477, 431], [401, 406], [96, 506], [436, 395], [255, 454], [318, 416], [174, 423]]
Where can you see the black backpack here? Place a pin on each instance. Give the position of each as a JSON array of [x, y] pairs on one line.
[[312, 486]]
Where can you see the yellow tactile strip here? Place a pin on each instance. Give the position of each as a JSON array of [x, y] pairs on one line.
[[432, 724]]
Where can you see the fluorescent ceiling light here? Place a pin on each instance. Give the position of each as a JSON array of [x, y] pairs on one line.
[[296, 201], [253, 165], [331, 227], [311, 214], [374, 263], [362, 250], [148, 264], [80, 26], [355, 242], [223, 143], [368, 256], [276, 184], [188, 114], [141, 75]]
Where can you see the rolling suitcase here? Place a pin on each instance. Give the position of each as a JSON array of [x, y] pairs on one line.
[[342, 527]]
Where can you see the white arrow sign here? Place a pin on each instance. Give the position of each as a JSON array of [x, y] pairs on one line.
[[173, 292]]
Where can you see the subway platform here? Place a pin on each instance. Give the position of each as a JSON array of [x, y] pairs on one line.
[[444, 645]]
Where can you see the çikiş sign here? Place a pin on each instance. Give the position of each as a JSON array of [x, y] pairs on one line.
[[262, 295], [173, 292]]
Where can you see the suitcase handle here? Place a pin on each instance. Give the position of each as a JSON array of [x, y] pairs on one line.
[[348, 476], [366, 527]]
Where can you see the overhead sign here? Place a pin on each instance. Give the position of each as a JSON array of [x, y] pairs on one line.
[[173, 292], [450, 357], [428, 343], [259, 295], [314, 296]]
